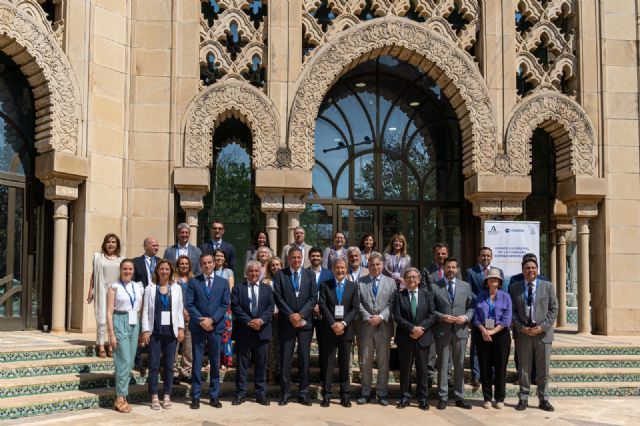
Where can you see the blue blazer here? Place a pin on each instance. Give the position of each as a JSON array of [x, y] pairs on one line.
[[200, 304], [140, 270], [325, 275], [228, 249], [193, 253], [475, 278], [241, 308]]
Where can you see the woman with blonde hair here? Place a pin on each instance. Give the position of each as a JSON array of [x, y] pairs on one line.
[[274, 264], [396, 259], [182, 367]]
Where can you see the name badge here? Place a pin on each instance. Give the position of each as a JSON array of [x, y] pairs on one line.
[[339, 312], [489, 323], [166, 318], [133, 317]]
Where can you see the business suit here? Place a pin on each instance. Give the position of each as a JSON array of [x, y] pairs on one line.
[[140, 268], [328, 300], [451, 339], [305, 254], [475, 277], [410, 348], [375, 339], [228, 249], [324, 275], [530, 348], [249, 341], [200, 303], [289, 303], [193, 253]]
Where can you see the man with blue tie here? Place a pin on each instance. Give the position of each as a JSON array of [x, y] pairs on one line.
[[296, 295], [207, 301], [475, 277], [252, 305], [217, 231], [183, 248]]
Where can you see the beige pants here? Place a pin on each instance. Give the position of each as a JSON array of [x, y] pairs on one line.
[[182, 367]]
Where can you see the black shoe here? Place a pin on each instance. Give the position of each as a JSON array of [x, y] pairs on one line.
[[143, 371], [195, 404], [263, 400], [383, 401], [474, 385], [305, 400], [404, 402], [237, 400], [363, 400], [215, 403], [442, 404], [544, 405], [423, 405], [283, 401], [176, 380], [345, 402], [325, 402], [522, 405], [461, 403]]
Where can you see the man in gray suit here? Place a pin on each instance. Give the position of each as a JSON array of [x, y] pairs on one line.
[[184, 248], [453, 300], [535, 308], [377, 293], [298, 241]]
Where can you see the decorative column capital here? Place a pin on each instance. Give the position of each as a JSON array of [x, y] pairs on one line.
[[294, 203], [60, 209], [57, 189], [488, 208], [61, 174], [583, 209], [191, 199], [271, 202]]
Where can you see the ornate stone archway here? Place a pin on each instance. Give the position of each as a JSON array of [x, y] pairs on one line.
[[236, 99], [452, 68], [567, 123], [27, 37]]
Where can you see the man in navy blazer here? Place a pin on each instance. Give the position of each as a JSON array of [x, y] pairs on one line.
[[182, 247], [206, 301], [296, 295], [143, 266], [252, 305], [217, 231], [475, 277], [322, 275]]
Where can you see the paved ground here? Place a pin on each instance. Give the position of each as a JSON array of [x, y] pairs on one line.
[[583, 411]]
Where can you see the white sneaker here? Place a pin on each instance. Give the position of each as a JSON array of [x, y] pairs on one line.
[[499, 405], [486, 405]]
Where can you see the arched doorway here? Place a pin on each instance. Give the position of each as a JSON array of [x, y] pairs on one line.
[[21, 204], [388, 159]]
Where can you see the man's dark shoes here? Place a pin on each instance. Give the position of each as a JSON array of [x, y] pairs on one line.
[[383, 401], [305, 400], [345, 402], [461, 403], [263, 400], [283, 401], [363, 400], [325, 402], [423, 405], [215, 403], [195, 404], [402, 403], [544, 405], [237, 400], [442, 404], [522, 405], [474, 385]]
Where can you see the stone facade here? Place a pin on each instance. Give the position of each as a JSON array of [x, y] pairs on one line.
[[129, 93]]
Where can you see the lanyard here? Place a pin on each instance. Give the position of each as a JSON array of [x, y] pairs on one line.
[[183, 284], [396, 264], [492, 305], [165, 298], [132, 299]]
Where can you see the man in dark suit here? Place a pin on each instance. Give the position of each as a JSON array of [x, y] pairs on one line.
[[298, 241], [296, 294], [143, 266], [252, 305], [182, 247], [453, 300], [322, 275], [414, 313], [207, 301], [535, 308], [339, 304], [217, 231], [475, 277]]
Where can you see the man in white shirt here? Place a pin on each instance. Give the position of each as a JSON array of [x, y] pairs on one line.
[[354, 258], [183, 248], [298, 241]]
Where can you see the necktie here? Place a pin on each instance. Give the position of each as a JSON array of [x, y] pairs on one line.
[[414, 304], [216, 246], [450, 290], [440, 275], [484, 273], [340, 292], [296, 282], [254, 301], [375, 287], [209, 284], [530, 300]]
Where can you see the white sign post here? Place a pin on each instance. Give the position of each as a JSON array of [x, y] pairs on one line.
[[510, 240]]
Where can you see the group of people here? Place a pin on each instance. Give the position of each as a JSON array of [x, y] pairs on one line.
[[342, 295]]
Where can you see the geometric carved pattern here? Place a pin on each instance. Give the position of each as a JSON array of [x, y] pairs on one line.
[[231, 99], [451, 67], [434, 14], [27, 37], [567, 123]]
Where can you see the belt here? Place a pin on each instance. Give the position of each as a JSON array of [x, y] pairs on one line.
[[121, 312]]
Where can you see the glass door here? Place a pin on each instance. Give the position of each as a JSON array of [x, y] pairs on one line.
[[356, 221], [394, 219]]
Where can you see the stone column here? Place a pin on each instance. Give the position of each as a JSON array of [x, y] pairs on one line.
[[584, 311], [271, 205], [192, 183], [191, 203], [561, 262], [60, 246], [553, 271], [293, 205]]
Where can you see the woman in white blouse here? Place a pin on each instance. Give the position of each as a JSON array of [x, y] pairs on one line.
[[162, 328], [124, 300]]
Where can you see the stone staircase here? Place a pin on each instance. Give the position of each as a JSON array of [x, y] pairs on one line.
[[34, 381]]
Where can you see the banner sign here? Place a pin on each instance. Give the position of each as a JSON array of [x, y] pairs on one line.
[[510, 240]]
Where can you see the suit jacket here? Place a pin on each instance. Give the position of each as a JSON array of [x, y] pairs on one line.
[[305, 258], [546, 309], [520, 277], [228, 249], [325, 275], [425, 317], [149, 309], [241, 308], [430, 276], [193, 253], [363, 272], [199, 303], [462, 305], [287, 301], [475, 276], [379, 305], [328, 300], [140, 270]]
